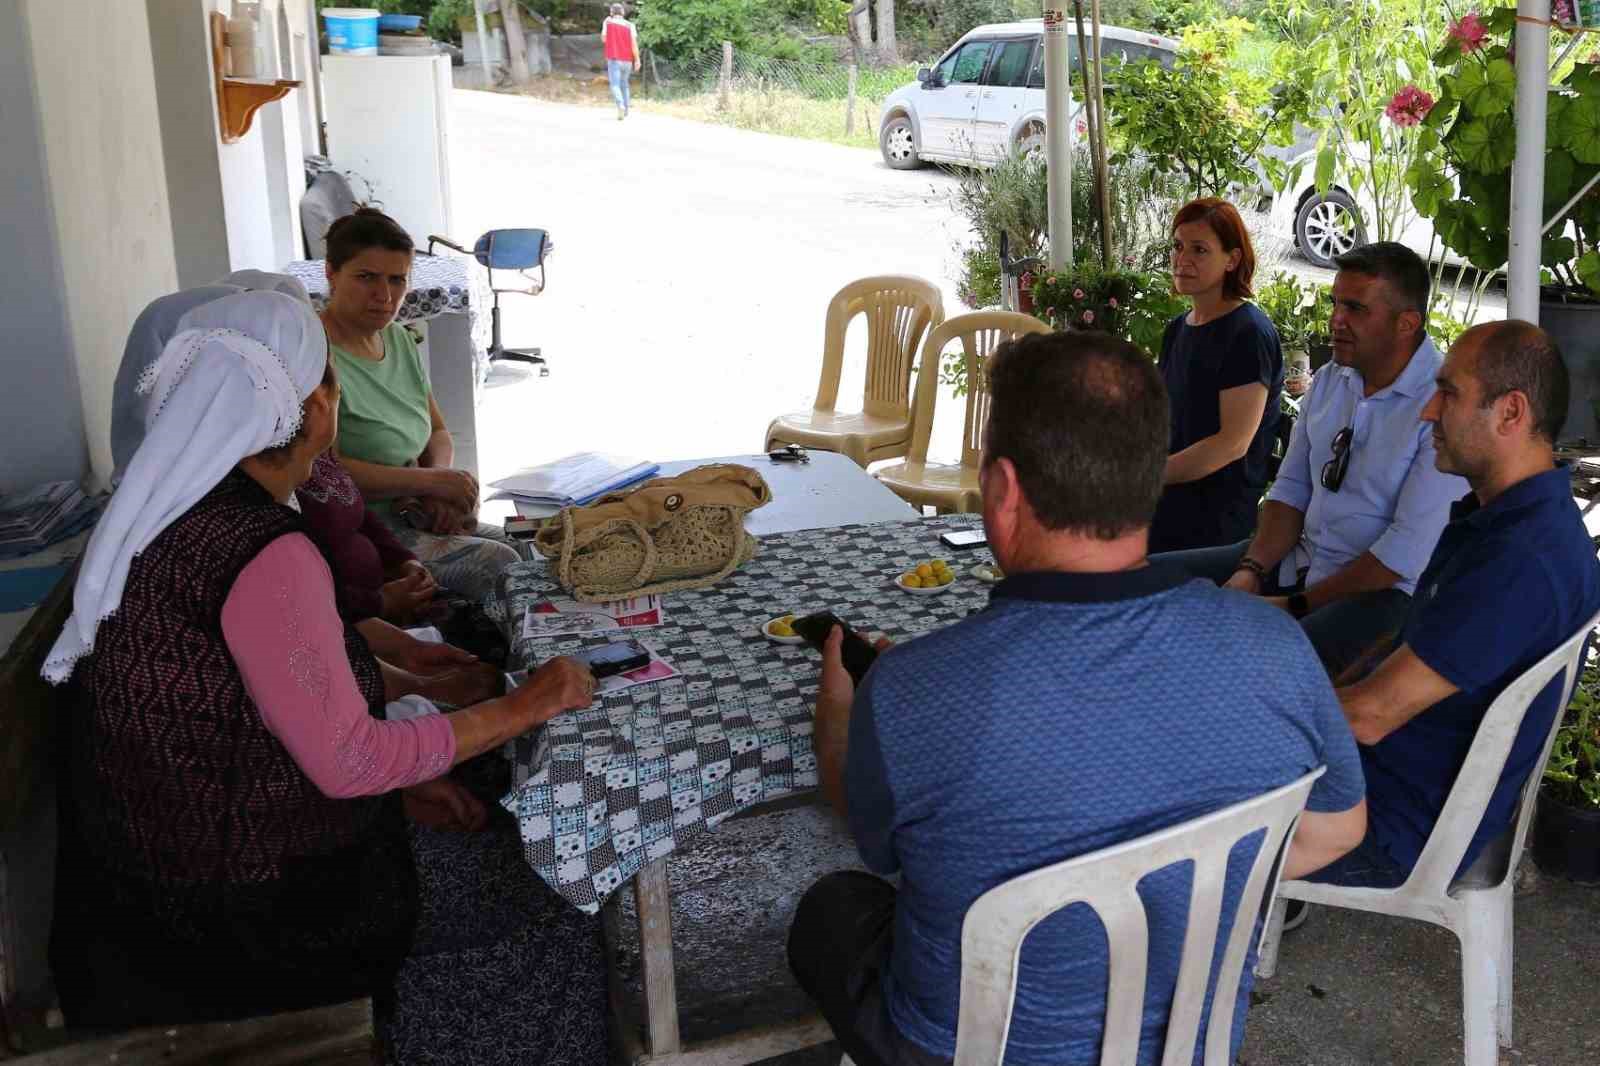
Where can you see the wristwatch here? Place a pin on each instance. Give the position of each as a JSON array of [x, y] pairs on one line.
[[1298, 605]]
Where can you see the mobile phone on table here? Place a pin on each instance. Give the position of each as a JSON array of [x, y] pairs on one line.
[[961, 540], [857, 652], [615, 658]]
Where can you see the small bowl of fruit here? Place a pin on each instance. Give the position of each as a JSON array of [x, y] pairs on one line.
[[927, 578], [780, 630]]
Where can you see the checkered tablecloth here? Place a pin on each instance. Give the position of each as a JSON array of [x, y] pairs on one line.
[[440, 285], [600, 792]]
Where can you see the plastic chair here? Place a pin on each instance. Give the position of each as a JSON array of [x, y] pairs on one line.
[[519, 251], [1477, 906], [940, 485], [899, 311]]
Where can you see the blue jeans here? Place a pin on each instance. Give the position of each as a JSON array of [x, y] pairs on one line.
[[619, 72], [1368, 866], [1341, 632]]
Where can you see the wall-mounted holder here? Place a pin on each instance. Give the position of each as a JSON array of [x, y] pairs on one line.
[[238, 99]]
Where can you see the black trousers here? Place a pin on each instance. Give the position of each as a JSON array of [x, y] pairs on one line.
[[839, 949]]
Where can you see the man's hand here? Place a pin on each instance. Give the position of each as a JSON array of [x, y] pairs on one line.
[[837, 690], [1280, 602], [637, 66], [464, 685], [426, 658], [1247, 581], [456, 487], [831, 730], [408, 596], [444, 804], [560, 684]]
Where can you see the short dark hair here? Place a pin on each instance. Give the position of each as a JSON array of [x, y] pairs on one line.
[[365, 227], [1225, 221], [1518, 356], [1083, 417], [1394, 263]]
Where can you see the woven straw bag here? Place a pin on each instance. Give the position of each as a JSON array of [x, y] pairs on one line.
[[668, 533]]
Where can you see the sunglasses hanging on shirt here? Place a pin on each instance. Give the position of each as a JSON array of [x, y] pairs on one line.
[[1334, 469]]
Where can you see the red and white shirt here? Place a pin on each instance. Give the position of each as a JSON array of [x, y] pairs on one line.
[[621, 43]]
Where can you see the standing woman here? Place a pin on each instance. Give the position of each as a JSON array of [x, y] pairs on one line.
[[1224, 372], [391, 435]]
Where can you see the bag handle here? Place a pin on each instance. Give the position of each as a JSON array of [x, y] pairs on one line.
[[735, 559], [572, 541]]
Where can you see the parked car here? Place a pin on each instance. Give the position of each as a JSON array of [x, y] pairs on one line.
[[985, 97]]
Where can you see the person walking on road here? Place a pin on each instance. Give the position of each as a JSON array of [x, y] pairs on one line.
[[622, 57]]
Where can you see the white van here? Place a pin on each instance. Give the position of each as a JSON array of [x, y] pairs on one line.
[[985, 96]]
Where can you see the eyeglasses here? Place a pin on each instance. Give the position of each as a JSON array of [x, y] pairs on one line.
[[1334, 469]]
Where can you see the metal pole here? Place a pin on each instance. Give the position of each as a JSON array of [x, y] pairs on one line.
[[483, 44], [1527, 170], [1058, 132]]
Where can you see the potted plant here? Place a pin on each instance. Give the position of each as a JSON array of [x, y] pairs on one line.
[[1465, 187], [1133, 304], [1566, 825], [1284, 299]]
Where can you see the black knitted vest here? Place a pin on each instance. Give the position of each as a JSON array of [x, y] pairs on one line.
[[224, 882]]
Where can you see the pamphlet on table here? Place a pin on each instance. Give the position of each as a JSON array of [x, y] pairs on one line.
[[573, 481], [559, 616]]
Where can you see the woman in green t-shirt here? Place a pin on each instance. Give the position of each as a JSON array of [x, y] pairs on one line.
[[391, 434]]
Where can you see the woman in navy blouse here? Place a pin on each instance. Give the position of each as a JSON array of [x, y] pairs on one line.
[[1224, 372]]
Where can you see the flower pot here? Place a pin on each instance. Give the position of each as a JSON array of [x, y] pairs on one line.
[[1566, 840], [1574, 321], [1025, 294]]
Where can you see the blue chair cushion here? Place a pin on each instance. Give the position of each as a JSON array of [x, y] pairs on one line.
[[511, 249]]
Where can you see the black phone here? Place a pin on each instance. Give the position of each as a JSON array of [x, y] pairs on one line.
[[616, 658], [858, 654], [961, 540]]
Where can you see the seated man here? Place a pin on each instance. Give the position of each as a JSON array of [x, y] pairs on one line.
[[1097, 699], [1513, 577], [1358, 504]]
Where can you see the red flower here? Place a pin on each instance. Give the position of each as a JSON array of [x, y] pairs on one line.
[[1088, 317], [1409, 106], [1468, 32]]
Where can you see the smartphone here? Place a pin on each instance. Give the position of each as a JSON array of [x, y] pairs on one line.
[[616, 658], [961, 540], [858, 653]]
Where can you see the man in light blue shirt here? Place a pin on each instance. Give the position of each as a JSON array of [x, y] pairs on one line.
[[1358, 504]]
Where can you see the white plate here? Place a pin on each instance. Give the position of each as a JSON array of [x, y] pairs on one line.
[[901, 581], [766, 631], [987, 572]]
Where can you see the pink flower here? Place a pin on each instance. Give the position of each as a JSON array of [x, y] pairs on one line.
[[1051, 311], [1088, 317], [1113, 303], [1409, 106], [1077, 294], [1469, 33], [1562, 9]]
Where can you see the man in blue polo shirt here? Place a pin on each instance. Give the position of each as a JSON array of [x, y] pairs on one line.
[[1358, 502], [1097, 699], [1514, 575]]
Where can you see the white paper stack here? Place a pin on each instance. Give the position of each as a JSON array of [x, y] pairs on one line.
[[577, 479]]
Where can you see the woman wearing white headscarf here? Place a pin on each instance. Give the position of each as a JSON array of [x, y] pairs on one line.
[[238, 845]]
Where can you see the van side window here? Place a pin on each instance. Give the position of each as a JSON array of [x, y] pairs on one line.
[[1036, 72], [965, 66], [1010, 66]]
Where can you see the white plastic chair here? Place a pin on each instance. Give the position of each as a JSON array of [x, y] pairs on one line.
[[1477, 906], [1108, 881]]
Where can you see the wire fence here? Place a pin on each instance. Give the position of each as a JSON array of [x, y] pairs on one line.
[[821, 101]]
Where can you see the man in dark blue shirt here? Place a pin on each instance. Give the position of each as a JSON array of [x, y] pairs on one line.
[[1097, 699], [1513, 577]]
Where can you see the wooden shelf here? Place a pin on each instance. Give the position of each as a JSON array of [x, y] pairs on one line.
[[238, 99]]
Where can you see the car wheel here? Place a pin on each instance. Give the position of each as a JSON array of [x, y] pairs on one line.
[[899, 144], [1328, 226], [1032, 142]]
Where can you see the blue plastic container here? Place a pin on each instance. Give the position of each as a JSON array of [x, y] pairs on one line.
[[352, 31], [398, 23]]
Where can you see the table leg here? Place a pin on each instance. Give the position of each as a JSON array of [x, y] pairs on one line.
[[654, 905]]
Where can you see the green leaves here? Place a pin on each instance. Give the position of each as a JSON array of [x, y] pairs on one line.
[[1486, 145], [1429, 187], [1580, 128], [1588, 269], [1486, 88], [1327, 160]]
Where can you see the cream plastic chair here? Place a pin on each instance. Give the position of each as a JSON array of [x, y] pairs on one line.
[[899, 311], [945, 487], [1477, 906], [1108, 881]]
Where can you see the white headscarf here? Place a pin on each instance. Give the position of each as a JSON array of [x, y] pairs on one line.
[[156, 325], [230, 385]]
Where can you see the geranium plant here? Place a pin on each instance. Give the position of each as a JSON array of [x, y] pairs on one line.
[[1133, 304]]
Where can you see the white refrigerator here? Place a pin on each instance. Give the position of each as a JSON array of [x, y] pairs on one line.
[[388, 121]]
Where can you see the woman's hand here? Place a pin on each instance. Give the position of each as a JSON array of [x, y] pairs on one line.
[[426, 658], [444, 804], [457, 488], [560, 684], [445, 520], [464, 685], [408, 596]]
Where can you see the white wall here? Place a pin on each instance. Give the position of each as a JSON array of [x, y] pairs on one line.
[[40, 405], [96, 101]]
